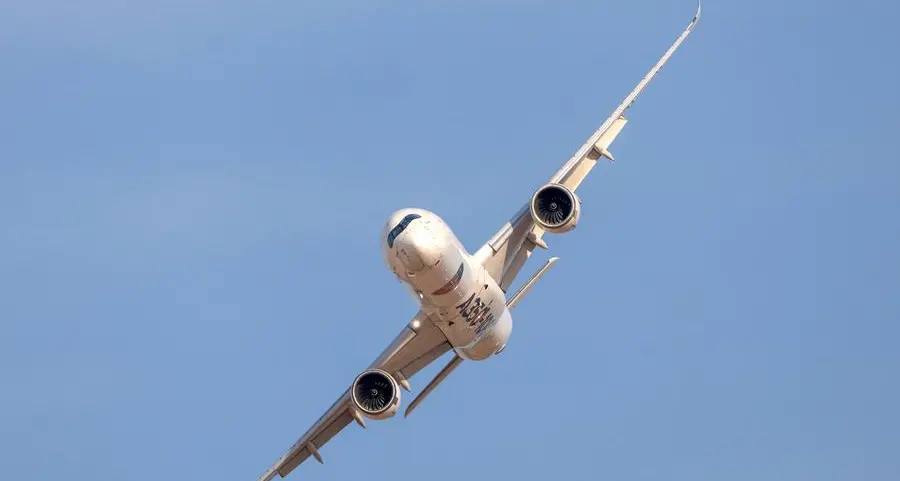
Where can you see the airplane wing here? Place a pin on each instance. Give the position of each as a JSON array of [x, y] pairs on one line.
[[417, 345], [506, 252]]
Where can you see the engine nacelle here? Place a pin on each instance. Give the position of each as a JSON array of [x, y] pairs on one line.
[[376, 394], [555, 208]]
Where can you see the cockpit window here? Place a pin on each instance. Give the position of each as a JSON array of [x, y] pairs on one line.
[[400, 227]]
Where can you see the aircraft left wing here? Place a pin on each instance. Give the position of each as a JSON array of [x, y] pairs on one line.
[[417, 345], [506, 252]]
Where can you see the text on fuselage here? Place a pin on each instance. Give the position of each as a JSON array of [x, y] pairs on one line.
[[476, 313]]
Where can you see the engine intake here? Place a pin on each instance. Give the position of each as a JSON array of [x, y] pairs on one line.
[[555, 208], [376, 394]]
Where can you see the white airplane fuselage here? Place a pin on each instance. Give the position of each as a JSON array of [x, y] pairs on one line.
[[463, 300]]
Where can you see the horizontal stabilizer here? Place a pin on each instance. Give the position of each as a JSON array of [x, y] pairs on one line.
[[530, 283], [434, 383]]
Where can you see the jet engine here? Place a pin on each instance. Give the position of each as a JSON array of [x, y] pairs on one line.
[[555, 208], [376, 394]]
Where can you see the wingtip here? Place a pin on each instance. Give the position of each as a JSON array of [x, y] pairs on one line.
[[699, 7]]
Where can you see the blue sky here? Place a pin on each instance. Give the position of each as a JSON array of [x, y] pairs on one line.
[[191, 194]]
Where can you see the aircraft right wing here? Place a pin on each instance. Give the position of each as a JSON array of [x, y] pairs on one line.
[[417, 345]]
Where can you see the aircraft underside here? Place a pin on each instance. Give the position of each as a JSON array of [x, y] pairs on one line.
[[463, 303]]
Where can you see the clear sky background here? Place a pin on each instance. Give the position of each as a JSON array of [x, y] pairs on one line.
[[191, 194]]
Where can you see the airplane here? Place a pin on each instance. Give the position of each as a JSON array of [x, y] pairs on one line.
[[462, 297]]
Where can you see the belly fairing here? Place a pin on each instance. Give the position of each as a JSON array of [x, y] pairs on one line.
[[490, 340], [475, 321]]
